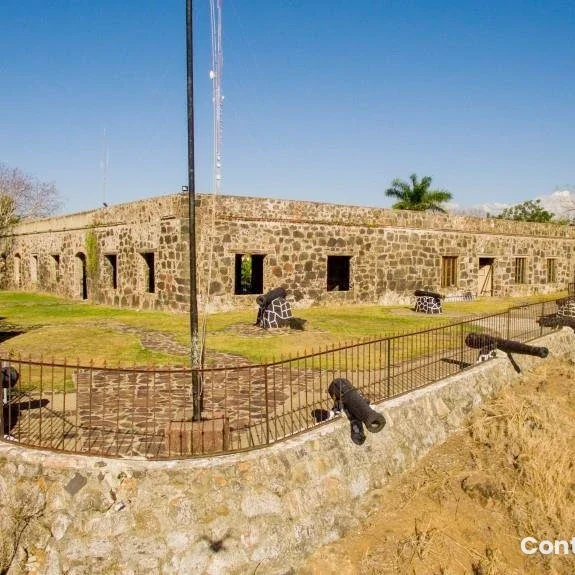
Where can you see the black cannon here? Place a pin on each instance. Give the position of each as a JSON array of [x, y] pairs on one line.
[[565, 301], [355, 405], [10, 378], [265, 300], [487, 343], [423, 293], [275, 311], [557, 320]]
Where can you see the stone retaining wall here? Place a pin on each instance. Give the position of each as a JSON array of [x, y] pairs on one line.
[[259, 511]]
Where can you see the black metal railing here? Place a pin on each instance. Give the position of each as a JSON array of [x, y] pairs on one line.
[[141, 412]]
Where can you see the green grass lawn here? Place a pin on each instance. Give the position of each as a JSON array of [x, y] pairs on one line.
[[57, 328]]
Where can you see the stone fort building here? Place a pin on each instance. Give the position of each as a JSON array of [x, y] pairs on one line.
[[137, 254]]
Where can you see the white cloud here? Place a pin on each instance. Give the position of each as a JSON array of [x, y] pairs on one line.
[[559, 202]]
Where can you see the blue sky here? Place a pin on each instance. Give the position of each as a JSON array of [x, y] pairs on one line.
[[325, 101]]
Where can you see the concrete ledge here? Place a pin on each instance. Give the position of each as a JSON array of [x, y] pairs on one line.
[[261, 510]]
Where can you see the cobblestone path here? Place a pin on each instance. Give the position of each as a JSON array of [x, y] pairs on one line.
[[160, 341]]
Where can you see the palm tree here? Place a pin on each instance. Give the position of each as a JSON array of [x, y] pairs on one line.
[[417, 195]]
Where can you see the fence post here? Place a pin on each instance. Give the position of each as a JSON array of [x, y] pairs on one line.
[[508, 323], [388, 367], [266, 391], [461, 348]]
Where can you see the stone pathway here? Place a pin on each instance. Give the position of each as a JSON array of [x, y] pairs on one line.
[[163, 342]]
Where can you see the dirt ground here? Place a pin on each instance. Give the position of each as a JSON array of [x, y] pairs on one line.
[[468, 504]]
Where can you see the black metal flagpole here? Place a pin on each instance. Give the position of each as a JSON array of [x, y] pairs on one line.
[[195, 338]]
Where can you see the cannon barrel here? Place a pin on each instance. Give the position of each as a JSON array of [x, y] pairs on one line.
[[421, 292], [485, 341], [556, 320], [341, 390], [265, 300]]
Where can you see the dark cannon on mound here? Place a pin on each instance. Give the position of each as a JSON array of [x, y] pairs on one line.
[[555, 320], [275, 311], [427, 301], [10, 378], [488, 344], [349, 400]]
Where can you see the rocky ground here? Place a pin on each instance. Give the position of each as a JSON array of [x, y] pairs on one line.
[[468, 504]]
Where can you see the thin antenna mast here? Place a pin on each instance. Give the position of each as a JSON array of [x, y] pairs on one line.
[[217, 101], [104, 166]]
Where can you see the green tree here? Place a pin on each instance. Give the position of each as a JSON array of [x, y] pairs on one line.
[[417, 195], [529, 211]]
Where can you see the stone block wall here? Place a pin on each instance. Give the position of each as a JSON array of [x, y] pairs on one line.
[[259, 511], [390, 253], [79, 255]]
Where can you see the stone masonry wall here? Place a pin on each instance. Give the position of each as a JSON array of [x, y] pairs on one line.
[[260, 511], [391, 253], [72, 255]]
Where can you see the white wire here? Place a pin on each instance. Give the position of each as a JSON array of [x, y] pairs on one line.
[[217, 101]]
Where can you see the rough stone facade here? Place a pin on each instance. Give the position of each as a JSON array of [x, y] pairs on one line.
[[261, 511], [136, 255]]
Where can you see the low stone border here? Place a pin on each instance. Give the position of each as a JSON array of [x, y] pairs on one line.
[[263, 510]]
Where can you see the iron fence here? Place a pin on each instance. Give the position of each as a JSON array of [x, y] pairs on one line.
[[138, 412]]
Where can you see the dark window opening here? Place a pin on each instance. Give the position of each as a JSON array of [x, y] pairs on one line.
[[83, 274], [34, 269], [56, 260], [17, 270], [249, 274], [149, 272], [338, 273], [486, 262], [112, 270]]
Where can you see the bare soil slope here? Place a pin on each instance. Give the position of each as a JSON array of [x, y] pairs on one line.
[[468, 504]]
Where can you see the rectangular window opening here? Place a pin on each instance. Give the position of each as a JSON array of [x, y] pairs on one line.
[[149, 272], [551, 271], [34, 269], [448, 271], [17, 270], [112, 270], [56, 266], [338, 273], [519, 270], [249, 274]]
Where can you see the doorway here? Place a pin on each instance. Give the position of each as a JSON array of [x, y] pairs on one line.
[[82, 275], [485, 276]]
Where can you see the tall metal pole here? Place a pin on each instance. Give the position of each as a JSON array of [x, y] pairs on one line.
[[195, 337]]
